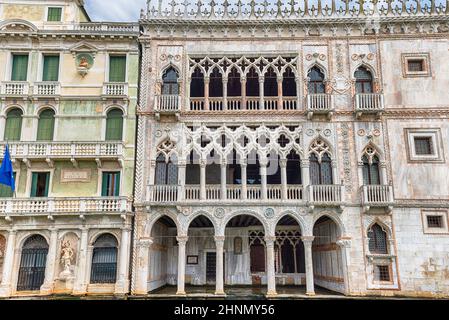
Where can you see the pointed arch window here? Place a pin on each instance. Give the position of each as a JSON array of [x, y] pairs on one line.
[[13, 125], [270, 83], [166, 171], [377, 239], [197, 84], [114, 125], [215, 84], [46, 125], [320, 171], [371, 173], [288, 83], [316, 81], [234, 84], [170, 82], [252, 83], [363, 80]]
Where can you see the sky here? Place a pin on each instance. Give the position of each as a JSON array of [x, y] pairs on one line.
[[114, 10]]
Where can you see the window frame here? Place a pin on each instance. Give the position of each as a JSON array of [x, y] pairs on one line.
[[437, 147], [8, 76], [47, 11], [445, 219], [6, 121], [424, 56], [390, 273], [100, 180], [30, 181], [108, 66], [40, 74]]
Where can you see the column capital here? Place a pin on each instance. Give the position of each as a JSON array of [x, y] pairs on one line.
[[203, 163], [283, 163], [220, 239], [344, 242], [145, 242], [305, 163], [223, 162], [243, 163], [182, 239], [263, 162], [182, 163], [307, 239], [269, 240]]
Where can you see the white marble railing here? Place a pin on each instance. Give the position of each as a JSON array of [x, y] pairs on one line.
[[15, 88], [319, 102], [379, 195], [332, 194], [115, 89], [252, 103], [289, 103], [213, 192], [64, 205], [36, 149], [234, 103], [196, 104], [167, 103], [216, 104], [369, 102], [237, 103], [47, 88], [109, 27]]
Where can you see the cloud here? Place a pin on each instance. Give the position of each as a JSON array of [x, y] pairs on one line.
[[114, 10]]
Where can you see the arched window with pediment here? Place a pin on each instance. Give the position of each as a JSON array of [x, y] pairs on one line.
[[320, 164], [377, 239], [363, 80], [170, 84], [316, 81]]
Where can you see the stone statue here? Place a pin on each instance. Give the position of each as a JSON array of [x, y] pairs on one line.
[[66, 257]]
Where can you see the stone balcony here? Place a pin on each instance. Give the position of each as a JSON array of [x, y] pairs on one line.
[[243, 103], [332, 195], [377, 196], [47, 89], [169, 104], [73, 151], [369, 103], [233, 193], [15, 89], [17, 207], [115, 90], [320, 103]]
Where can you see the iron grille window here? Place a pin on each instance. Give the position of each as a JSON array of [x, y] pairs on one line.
[[434, 221], [104, 260], [363, 81], [415, 65], [32, 264], [371, 171], [170, 82], [382, 273], [423, 146], [377, 240]]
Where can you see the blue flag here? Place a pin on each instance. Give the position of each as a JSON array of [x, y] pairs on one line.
[[6, 171]]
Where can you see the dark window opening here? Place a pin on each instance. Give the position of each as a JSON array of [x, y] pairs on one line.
[[423, 146], [40, 182], [371, 171], [170, 82], [377, 240], [234, 84], [289, 83], [197, 84], [363, 80], [381, 273], [166, 172], [270, 84], [104, 260], [316, 81], [110, 184], [435, 221], [252, 83], [293, 168], [320, 173], [415, 65], [216, 84]]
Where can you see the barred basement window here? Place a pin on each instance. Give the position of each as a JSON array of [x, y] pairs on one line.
[[415, 65], [382, 273], [423, 146], [435, 222]]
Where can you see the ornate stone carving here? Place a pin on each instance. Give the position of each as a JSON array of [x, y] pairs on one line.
[[346, 154], [219, 213], [269, 213]]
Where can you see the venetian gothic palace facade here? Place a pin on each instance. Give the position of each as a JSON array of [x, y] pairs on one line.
[[293, 147]]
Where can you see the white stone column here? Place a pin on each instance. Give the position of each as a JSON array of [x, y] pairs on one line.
[[219, 282], [181, 179], [283, 166], [383, 173], [307, 241], [142, 264], [206, 93], [263, 178], [334, 171], [243, 88], [280, 93], [80, 285], [261, 93], [225, 93], [50, 266], [223, 168], [299, 94], [271, 275], [182, 240], [8, 264], [122, 285], [345, 244], [305, 177], [243, 166], [202, 179]]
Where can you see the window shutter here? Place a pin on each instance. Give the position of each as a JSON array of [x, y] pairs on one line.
[[54, 14], [114, 125], [104, 185], [33, 184], [13, 126], [117, 68], [47, 184], [117, 184], [19, 67], [51, 68], [45, 126]]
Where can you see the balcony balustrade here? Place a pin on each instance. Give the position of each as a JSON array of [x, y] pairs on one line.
[[168, 104], [369, 103], [64, 150], [326, 195], [173, 193], [15, 88], [238, 103], [47, 88], [377, 196], [115, 89], [320, 103], [49, 206]]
